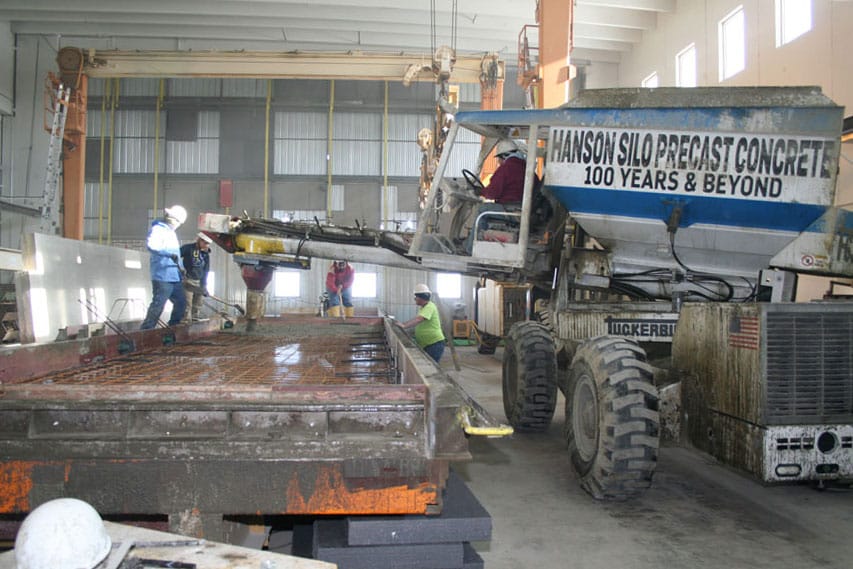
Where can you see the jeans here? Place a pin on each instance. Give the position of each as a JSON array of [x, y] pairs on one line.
[[435, 351], [164, 291], [346, 295]]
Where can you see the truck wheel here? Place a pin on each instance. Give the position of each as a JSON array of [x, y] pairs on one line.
[[612, 420], [529, 377]]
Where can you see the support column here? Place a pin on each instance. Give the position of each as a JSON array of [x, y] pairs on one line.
[[555, 46], [69, 60], [491, 99]]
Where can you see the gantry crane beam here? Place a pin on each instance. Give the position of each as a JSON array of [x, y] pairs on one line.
[[76, 65], [275, 65]]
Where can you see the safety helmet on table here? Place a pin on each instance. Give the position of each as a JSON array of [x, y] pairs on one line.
[[504, 147], [422, 289], [62, 534], [176, 212]]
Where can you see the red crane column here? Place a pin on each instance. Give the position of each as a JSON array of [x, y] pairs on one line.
[[555, 46], [70, 62]]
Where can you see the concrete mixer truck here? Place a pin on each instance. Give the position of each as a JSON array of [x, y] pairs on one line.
[[662, 225]]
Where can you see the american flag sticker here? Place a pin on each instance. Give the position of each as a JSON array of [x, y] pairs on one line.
[[743, 332]]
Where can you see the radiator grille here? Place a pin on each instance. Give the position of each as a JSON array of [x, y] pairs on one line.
[[809, 366], [794, 443]]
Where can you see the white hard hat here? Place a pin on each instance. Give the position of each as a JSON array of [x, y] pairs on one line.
[[177, 212], [505, 146], [204, 237], [422, 289], [62, 534]]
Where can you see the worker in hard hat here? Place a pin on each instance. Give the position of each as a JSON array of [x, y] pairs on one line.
[[505, 186], [339, 281], [166, 267], [427, 324], [196, 259]]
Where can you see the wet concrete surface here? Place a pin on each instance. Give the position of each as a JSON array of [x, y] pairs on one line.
[[698, 513], [296, 351]]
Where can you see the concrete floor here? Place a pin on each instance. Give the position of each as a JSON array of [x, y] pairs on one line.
[[698, 513]]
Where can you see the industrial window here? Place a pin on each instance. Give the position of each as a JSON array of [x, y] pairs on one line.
[[732, 38], [448, 285], [364, 285], [685, 67], [286, 284], [651, 81], [793, 19]]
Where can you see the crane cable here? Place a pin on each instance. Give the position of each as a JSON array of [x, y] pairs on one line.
[[432, 27], [433, 32]]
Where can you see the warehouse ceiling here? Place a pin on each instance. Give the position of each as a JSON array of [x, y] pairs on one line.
[[603, 29]]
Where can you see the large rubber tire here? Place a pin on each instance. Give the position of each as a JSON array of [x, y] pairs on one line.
[[529, 377], [612, 419]]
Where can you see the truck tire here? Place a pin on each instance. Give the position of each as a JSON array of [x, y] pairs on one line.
[[529, 377], [612, 420]]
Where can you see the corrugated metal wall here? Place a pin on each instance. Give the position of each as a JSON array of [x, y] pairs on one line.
[[466, 150], [244, 88], [357, 146], [92, 210], [299, 146], [195, 87], [404, 155], [150, 87], [200, 156], [133, 143]]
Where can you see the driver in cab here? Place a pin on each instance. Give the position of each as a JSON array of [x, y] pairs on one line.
[[506, 185]]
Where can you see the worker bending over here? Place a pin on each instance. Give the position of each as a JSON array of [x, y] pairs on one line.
[[339, 281], [427, 324]]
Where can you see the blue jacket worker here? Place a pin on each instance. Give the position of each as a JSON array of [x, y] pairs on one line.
[[166, 267]]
